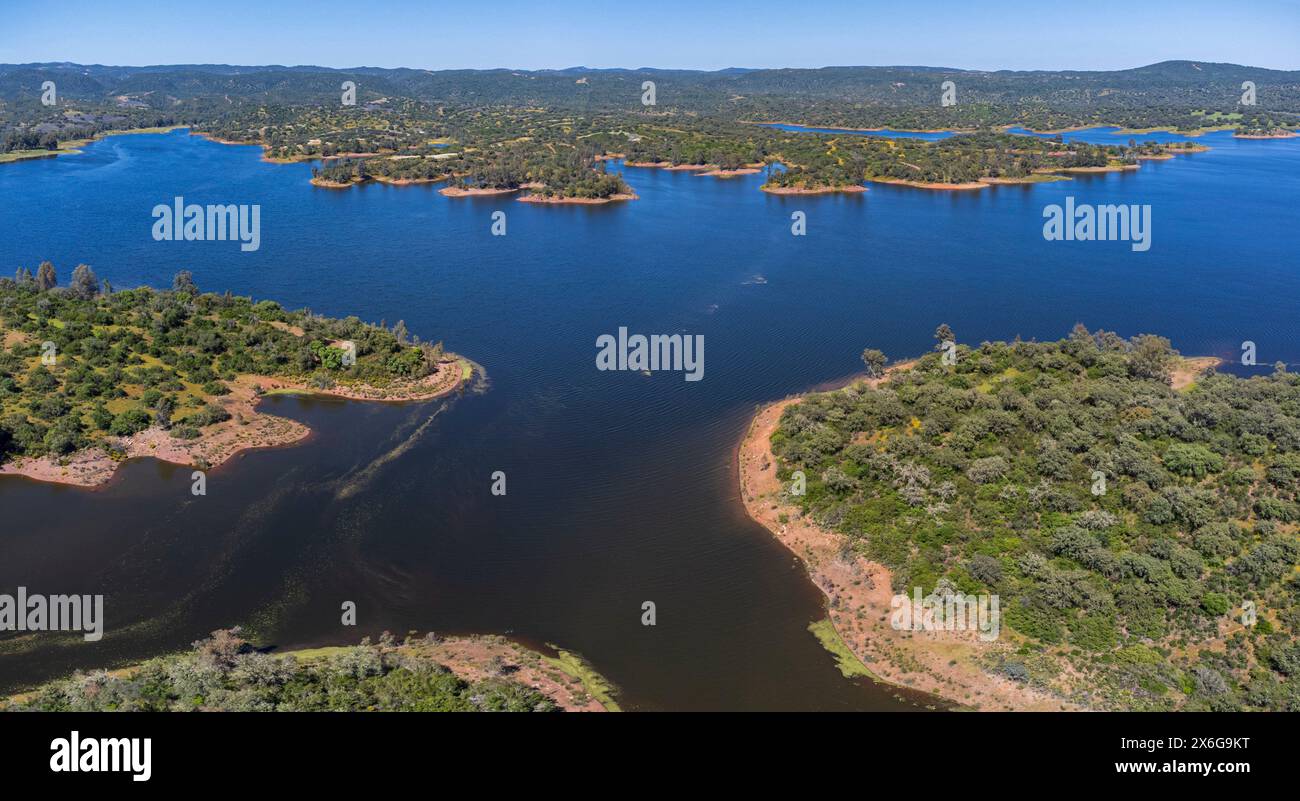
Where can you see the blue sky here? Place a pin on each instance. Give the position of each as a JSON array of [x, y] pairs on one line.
[[702, 34]]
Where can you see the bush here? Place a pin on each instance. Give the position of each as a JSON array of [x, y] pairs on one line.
[[132, 421]]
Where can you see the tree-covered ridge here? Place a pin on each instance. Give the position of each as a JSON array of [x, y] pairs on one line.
[[959, 159], [1129, 528], [1171, 93], [82, 364], [509, 129], [507, 149], [224, 673], [558, 154]]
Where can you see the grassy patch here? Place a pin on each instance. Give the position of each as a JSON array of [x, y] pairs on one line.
[[845, 659], [578, 668]]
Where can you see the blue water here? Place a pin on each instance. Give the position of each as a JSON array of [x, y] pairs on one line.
[[621, 486], [929, 136]]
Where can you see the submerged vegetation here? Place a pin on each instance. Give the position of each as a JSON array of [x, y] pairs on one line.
[[1143, 540]]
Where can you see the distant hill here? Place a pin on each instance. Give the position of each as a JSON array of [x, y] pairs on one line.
[[1182, 84]]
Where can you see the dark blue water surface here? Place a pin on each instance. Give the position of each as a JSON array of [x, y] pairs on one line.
[[621, 487]]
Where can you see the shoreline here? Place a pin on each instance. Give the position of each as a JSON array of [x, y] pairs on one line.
[[326, 184], [711, 170], [566, 678], [962, 187], [265, 148], [815, 128], [383, 179], [849, 189], [720, 172], [1120, 130], [456, 191], [72, 147], [247, 429], [858, 591], [578, 201], [1087, 170], [1176, 151]]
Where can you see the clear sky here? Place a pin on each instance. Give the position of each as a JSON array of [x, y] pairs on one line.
[[698, 34]]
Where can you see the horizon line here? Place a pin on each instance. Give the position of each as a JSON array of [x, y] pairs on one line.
[[581, 67]]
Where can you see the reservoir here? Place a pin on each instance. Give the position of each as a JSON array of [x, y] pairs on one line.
[[621, 486]]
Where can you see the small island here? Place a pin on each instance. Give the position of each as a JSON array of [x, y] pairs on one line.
[[1266, 132], [91, 376], [812, 189]]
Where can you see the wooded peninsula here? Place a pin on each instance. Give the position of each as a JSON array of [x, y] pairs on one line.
[[1136, 513], [91, 375]]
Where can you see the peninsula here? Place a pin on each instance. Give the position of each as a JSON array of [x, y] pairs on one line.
[[1125, 504], [91, 376], [226, 673]]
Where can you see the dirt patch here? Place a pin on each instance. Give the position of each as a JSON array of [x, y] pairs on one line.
[[477, 658], [1189, 369]]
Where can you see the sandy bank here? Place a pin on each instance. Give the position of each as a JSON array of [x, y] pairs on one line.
[[1190, 368], [327, 184], [723, 173], [930, 184], [383, 179], [456, 191], [1169, 154], [1084, 170], [578, 201], [471, 658], [816, 190]]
